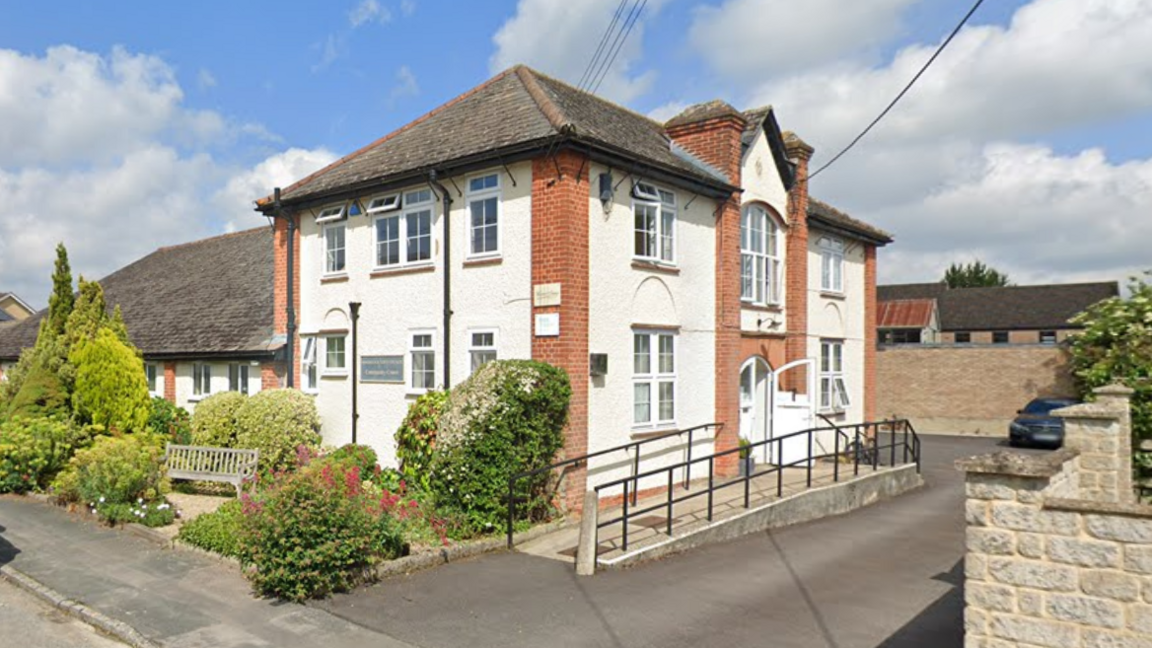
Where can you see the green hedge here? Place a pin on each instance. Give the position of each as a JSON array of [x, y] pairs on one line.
[[214, 420], [277, 422], [507, 417], [218, 531]]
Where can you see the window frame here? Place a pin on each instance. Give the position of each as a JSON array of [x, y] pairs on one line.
[[832, 250], [1001, 337], [201, 380], [152, 377], [655, 378], [484, 194], [772, 259], [236, 382], [1053, 337], [474, 349], [328, 369], [666, 204], [343, 249], [402, 231], [410, 365], [967, 335], [388, 203], [331, 214], [309, 369], [832, 390]]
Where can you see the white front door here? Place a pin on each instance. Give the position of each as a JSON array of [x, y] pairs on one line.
[[755, 403]]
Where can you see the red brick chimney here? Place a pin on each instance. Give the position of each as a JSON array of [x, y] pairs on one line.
[[711, 132]]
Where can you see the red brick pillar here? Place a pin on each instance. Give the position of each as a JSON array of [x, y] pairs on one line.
[[170, 382], [869, 332], [280, 286], [711, 132], [796, 263], [270, 375], [560, 256]]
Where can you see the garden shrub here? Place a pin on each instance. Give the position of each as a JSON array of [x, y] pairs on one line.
[[41, 393], [313, 532], [416, 438], [361, 456], [150, 514], [127, 469], [111, 389], [277, 422], [214, 420], [32, 451], [218, 531], [506, 418], [170, 422]]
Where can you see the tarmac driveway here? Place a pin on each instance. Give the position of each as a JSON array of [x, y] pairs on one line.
[[887, 575]]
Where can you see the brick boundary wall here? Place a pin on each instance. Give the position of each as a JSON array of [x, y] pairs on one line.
[[969, 389], [1058, 555], [560, 249]]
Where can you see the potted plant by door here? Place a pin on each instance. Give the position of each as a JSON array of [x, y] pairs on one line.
[[747, 463]]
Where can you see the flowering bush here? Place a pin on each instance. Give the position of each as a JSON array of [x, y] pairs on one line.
[[416, 438], [155, 514], [277, 422], [115, 470], [506, 418], [344, 458], [170, 422], [217, 531], [316, 531], [214, 420], [32, 451]]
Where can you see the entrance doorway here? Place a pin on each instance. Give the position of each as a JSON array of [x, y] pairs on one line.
[[766, 412]]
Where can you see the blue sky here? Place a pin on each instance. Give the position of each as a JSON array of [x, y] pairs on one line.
[[155, 123]]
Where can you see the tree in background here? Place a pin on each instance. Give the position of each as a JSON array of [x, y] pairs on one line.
[[111, 389], [974, 275], [1116, 347]]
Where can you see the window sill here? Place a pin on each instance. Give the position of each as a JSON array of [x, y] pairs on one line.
[[402, 270], [764, 308], [334, 278], [334, 375], [833, 294], [479, 262], [197, 399], [640, 434], [654, 266]]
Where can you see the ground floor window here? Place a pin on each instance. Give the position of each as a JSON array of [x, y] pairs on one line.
[[481, 347], [335, 361], [653, 378], [833, 392], [201, 379], [422, 354], [238, 378], [308, 374], [150, 370], [900, 336], [1047, 337]]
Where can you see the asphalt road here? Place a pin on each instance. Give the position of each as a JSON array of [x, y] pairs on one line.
[[28, 622], [888, 575]]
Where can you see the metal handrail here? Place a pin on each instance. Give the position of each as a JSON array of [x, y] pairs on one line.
[[576, 461], [910, 443]]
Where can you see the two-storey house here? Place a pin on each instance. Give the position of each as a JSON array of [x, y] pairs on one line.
[[674, 270]]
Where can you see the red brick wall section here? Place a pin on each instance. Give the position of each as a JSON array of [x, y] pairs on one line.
[[560, 255], [270, 375], [280, 289], [717, 142], [796, 267], [170, 382], [869, 332]]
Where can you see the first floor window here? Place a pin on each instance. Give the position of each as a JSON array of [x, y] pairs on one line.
[[308, 376], [423, 362], [481, 348], [831, 264], [334, 248], [833, 392], [201, 379], [654, 211], [150, 370], [653, 378], [334, 361], [484, 210], [238, 378], [759, 257]]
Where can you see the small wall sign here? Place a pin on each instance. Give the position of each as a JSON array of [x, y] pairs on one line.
[[548, 325], [382, 369], [546, 294]]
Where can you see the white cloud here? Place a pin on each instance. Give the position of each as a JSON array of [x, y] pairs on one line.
[[407, 7], [559, 37], [752, 40], [205, 80], [406, 85], [119, 174], [369, 11], [331, 48], [667, 111]]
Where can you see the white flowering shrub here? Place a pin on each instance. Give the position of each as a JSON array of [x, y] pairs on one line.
[[508, 417]]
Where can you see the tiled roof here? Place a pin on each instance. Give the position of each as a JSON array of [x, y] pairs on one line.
[[891, 292], [4, 316], [518, 108], [905, 313], [212, 296], [1045, 307], [821, 213]]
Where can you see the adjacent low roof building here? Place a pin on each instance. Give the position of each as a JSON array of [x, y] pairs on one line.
[[13, 309]]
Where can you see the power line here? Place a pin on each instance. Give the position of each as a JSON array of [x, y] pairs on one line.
[[618, 44], [902, 92], [603, 40]]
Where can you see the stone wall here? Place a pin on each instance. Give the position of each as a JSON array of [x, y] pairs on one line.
[[969, 389], [1048, 566]]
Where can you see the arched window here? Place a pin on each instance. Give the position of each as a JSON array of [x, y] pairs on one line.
[[760, 256]]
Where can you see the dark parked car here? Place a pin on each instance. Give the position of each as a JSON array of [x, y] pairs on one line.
[[1035, 425]]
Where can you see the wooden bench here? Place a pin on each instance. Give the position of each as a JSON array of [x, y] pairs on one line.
[[226, 465]]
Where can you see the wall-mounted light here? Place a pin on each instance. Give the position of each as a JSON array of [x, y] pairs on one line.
[[606, 190]]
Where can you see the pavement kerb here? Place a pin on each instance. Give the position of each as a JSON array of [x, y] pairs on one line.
[[116, 629]]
